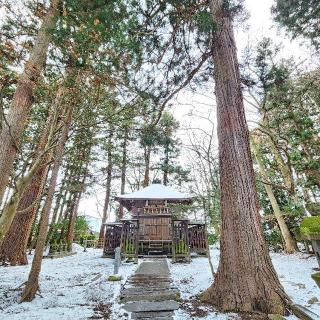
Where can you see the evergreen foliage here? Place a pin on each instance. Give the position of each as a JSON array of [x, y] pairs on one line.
[[300, 17]]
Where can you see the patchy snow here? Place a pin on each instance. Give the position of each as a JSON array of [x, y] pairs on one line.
[[294, 272], [71, 287]]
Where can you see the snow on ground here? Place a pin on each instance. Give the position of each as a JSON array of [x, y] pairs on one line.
[[71, 287], [294, 272]]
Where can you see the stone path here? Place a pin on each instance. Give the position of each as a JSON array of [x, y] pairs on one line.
[[149, 293]]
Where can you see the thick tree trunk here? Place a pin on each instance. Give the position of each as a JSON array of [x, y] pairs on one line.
[[108, 188], [32, 285], [245, 280], [14, 246], [147, 155], [290, 244], [23, 184], [10, 209], [11, 132]]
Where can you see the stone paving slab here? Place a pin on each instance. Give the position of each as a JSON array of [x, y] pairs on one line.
[[147, 306], [158, 315], [157, 267], [151, 296], [149, 293]]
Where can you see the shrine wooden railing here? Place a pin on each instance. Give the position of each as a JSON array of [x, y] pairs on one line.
[[129, 238], [198, 239], [112, 238], [180, 241]]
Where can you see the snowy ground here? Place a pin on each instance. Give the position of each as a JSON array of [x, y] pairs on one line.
[[73, 287], [76, 287], [293, 270]]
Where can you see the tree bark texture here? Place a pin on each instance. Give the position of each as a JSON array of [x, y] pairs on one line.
[[290, 244], [166, 164], [23, 183], [72, 221], [58, 156], [245, 280], [147, 155], [14, 246], [123, 169], [108, 188], [32, 285], [16, 120], [74, 209]]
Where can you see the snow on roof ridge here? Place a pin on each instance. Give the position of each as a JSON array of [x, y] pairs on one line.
[[155, 191]]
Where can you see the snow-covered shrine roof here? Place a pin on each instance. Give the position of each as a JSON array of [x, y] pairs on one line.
[[156, 191]]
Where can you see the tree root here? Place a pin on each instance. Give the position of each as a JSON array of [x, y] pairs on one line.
[[19, 287], [30, 292]]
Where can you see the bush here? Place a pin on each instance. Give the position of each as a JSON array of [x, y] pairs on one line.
[[212, 238], [81, 230], [274, 239], [310, 225]]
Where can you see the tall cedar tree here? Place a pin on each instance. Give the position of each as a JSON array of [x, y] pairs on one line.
[[32, 284], [14, 246], [246, 280], [16, 120]]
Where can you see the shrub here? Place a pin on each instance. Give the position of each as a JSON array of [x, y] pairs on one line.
[[274, 239], [212, 238], [310, 225]]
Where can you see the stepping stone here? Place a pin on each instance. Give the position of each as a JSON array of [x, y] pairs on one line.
[[154, 268], [149, 293], [152, 315], [151, 296], [147, 306]]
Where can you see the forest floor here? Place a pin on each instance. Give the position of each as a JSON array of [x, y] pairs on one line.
[[76, 287]]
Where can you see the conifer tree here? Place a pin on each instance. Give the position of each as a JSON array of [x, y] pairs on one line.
[[300, 17], [12, 130], [238, 284]]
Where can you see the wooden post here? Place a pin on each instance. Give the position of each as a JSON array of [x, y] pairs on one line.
[[173, 244], [85, 245]]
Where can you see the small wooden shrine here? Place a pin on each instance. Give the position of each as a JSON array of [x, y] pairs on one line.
[[153, 228]]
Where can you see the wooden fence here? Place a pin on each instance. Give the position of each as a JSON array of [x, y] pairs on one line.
[[180, 241], [129, 238], [112, 238], [198, 238]]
